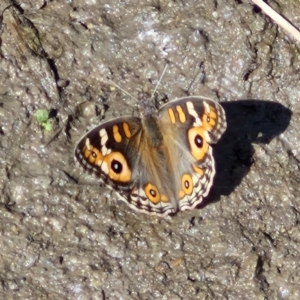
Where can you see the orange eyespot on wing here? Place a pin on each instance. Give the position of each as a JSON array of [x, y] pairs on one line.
[[113, 164], [91, 154], [116, 167], [153, 194], [197, 142], [210, 117], [187, 186]]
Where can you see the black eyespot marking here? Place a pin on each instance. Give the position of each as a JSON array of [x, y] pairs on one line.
[[116, 166], [186, 184], [198, 141], [208, 119], [153, 193], [94, 154]]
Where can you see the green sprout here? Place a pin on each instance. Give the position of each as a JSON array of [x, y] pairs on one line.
[[42, 116]]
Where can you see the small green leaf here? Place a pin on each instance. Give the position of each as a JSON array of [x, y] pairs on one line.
[[42, 115], [47, 125]]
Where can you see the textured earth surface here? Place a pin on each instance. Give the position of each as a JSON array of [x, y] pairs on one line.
[[63, 235]]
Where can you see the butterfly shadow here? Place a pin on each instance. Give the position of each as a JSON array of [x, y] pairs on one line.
[[248, 121]]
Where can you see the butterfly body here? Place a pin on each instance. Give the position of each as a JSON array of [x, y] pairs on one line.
[[161, 163]]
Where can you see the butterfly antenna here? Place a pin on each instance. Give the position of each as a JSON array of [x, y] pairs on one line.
[[124, 91], [158, 83]]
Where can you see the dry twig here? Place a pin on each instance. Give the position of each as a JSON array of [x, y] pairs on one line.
[[278, 19]]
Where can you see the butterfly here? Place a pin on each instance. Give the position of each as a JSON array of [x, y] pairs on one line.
[[162, 162]]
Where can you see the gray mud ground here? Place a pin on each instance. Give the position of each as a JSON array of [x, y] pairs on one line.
[[63, 236]]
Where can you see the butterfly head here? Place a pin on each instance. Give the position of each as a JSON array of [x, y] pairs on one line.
[[147, 107]]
